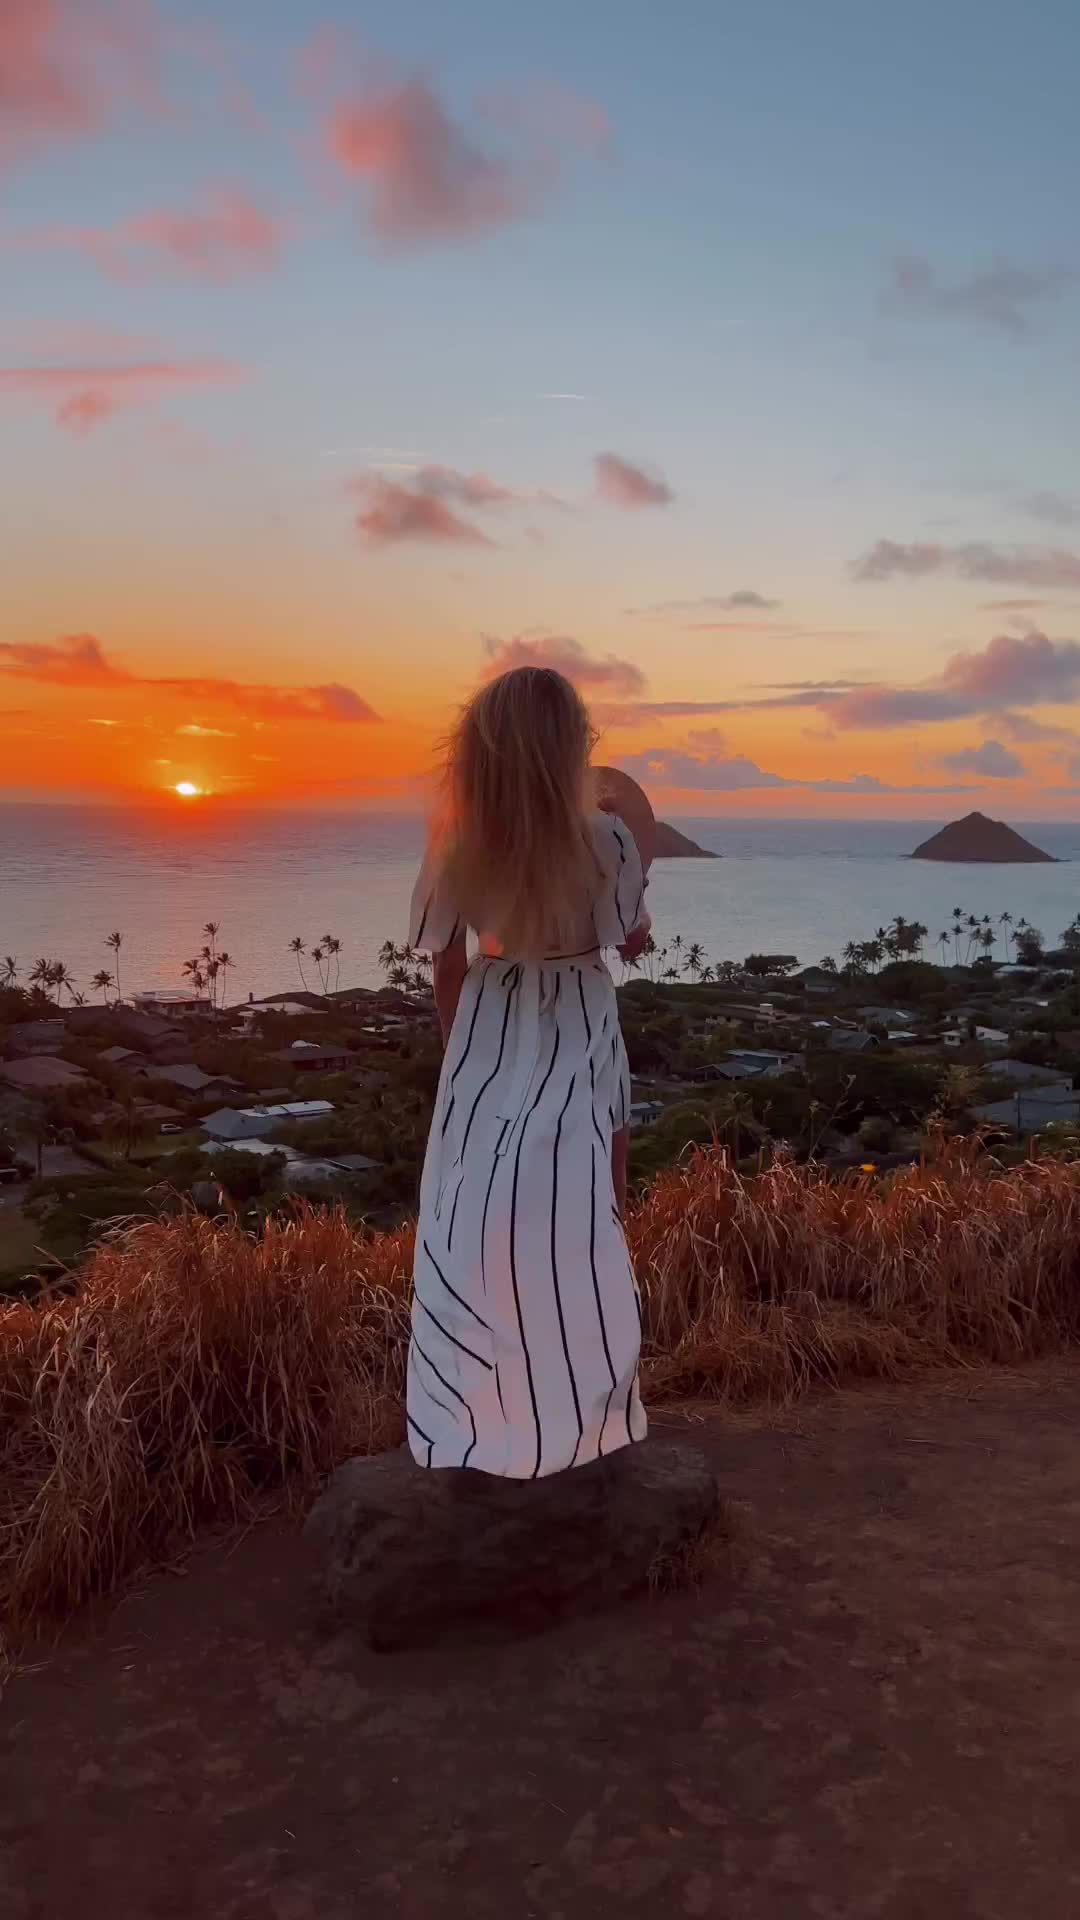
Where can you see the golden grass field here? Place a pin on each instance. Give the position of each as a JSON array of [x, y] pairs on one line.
[[198, 1369]]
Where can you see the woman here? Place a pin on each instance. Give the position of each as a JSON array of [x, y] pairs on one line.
[[526, 1323]]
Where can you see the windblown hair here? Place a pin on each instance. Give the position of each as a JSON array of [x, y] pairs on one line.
[[516, 849]]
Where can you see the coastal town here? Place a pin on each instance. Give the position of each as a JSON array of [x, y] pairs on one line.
[[152, 1102]]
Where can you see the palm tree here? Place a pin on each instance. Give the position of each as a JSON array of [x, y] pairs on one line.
[[973, 925], [41, 975], [102, 981], [986, 940], [225, 961], [828, 964], [873, 951], [318, 956], [943, 942], [677, 947], [332, 946], [297, 946], [695, 955], [192, 970], [211, 930], [705, 975], [1006, 921], [387, 955], [61, 978], [957, 929], [116, 941], [9, 971]]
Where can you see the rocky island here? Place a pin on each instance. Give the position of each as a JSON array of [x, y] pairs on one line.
[[976, 838], [673, 845]]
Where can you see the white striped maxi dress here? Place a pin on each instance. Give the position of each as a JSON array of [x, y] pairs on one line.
[[526, 1320]]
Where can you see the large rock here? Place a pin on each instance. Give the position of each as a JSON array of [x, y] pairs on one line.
[[407, 1555]]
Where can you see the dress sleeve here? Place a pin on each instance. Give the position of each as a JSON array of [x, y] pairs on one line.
[[621, 898], [434, 921]]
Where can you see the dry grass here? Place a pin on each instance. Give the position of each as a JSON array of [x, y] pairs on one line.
[[198, 1369]]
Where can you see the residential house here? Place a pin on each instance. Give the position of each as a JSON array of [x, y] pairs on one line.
[[169, 1000], [851, 1040], [251, 1123], [306, 1057], [991, 1037], [42, 1074], [35, 1036], [125, 1057], [645, 1113], [189, 1079], [816, 980], [768, 1065], [886, 1016], [1031, 1110], [1020, 1073]]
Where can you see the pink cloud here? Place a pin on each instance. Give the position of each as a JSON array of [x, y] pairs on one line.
[[81, 397], [220, 242], [79, 660], [625, 485], [430, 176], [395, 513], [67, 66], [620, 678]]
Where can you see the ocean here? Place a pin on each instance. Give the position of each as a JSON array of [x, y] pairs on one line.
[[71, 875]]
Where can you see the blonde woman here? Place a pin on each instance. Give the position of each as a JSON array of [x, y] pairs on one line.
[[526, 1323]]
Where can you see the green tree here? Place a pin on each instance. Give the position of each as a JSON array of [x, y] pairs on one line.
[[101, 983]]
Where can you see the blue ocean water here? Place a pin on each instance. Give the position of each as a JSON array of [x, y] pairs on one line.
[[69, 876]]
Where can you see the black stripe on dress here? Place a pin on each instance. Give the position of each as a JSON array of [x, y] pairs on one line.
[[424, 1388], [453, 1290], [465, 1051], [450, 1388], [555, 1268], [513, 1258], [599, 1305], [592, 1068], [454, 1341], [502, 1046], [424, 1436], [618, 877], [419, 937], [483, 1251]]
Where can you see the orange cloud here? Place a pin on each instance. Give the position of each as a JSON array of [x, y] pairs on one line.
[[81, 397], [623, 485], [79, 660], [221, 241], [67, 66]]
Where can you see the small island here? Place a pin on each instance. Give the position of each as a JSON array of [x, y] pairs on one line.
[[976, 838], [673, 845]]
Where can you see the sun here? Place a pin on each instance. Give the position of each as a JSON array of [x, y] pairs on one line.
[[187, 789]]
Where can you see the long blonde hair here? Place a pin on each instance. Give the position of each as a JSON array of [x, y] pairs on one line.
[[514, 840]]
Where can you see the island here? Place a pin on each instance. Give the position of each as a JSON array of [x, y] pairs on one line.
[[976, 838], [673, 845]]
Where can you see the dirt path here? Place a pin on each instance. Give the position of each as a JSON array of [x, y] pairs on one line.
[[878, 1716]]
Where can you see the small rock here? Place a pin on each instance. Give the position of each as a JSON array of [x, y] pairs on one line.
[[409, 1556]]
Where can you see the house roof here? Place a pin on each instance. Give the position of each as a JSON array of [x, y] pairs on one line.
[[844, 1040], [121, 1056], [191, 1078], [1031, 1110], [41, 1074], [310, 1056]]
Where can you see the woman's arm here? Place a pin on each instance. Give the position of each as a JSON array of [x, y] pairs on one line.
[[448, 974]]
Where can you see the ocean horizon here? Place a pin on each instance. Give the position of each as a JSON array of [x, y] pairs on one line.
[[69, 876]]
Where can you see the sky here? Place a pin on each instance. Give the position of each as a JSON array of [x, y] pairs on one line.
[[726, 357]]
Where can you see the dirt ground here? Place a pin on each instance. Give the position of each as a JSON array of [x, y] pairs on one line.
[[875, 1712]]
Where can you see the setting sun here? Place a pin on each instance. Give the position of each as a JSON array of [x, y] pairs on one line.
[[187, 789]]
